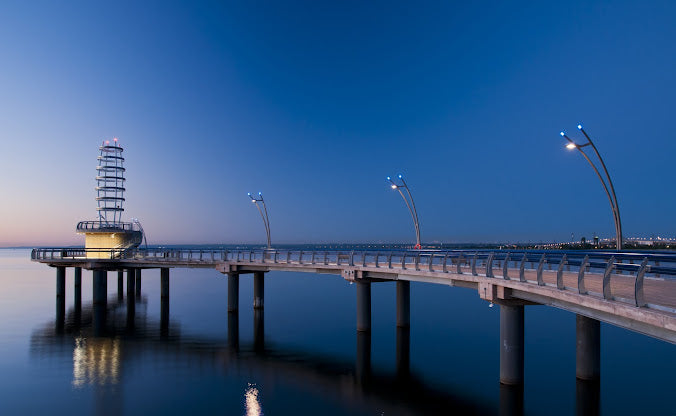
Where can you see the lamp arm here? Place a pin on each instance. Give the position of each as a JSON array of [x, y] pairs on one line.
[[610, 199], [612, 189], [415, 223]]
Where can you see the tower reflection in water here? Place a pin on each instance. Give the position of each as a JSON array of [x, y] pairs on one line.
[[96, 361], [105, 340]]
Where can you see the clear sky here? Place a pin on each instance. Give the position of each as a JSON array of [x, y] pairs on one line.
[[315, 103]]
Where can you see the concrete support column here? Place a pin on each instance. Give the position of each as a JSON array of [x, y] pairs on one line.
[[164, 301], [100, 287], [138, 283], [511, 344], [100, 294], [77, 289], [588, 349], [233, 292], [403, 304], [164, 278], [363, 306], [131, 283], [60, 295], [120, 285], [258, 289]]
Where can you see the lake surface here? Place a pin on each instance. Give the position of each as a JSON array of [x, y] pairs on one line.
[[302, 355]]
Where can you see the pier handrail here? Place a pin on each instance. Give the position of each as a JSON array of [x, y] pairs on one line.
[[496, 264]]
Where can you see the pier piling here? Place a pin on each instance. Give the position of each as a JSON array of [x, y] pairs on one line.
[[60, 295], [511, 344], [77, 289], [259, 290], [233, 292], [131, 283], [100, 287], [403, 304], [588, 348], [138, 283], [120, 285], [363, 306]]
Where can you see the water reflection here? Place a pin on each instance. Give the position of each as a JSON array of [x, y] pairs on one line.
[[96, 361], [105, 343], [587, 397], [511, 400], [253, 406]]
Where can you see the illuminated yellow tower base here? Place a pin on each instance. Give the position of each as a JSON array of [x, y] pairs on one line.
[[104, 242]]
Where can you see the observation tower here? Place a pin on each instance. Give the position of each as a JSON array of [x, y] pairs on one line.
[[108, 232]]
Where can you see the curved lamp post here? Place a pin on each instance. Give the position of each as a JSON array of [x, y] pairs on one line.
[[607, 182], [409, 203], [263, 212]]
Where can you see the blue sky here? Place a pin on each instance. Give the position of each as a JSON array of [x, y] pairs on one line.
[[315, 103]]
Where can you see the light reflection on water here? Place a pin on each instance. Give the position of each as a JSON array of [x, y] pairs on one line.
[[312, 360], [253, 406], [96, 361]]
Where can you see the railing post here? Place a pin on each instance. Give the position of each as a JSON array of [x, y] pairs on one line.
[[638, 284], [363, 259], [300, 257], [389, 260], [431, 262], [606, 279], [505, 267], [403, 261], [461, 259], [288, 256], [445, 263], [580, 276], [559, 273], [313, 257], [476, 254], [274, 258], [377, 255], [522, 268], [489, 265], [541, 265], [352, 260]]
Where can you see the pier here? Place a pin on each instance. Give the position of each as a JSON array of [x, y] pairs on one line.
[[630, 290]]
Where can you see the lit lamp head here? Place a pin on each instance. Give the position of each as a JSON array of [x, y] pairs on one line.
[[392, 184]]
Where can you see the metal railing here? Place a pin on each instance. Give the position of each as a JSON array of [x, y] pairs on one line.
[[106, 226], [527, 266]]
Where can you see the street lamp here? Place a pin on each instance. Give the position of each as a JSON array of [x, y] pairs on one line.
[[607, 182], [263, 212], [409, 203]]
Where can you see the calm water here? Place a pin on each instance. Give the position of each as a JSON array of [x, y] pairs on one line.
[[301, 357]]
